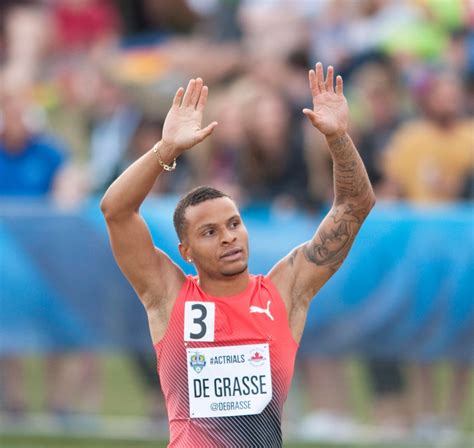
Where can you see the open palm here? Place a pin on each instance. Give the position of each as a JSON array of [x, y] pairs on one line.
[[182, 127], [330, 111]]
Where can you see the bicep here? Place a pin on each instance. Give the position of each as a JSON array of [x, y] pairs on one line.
[[141, 262]]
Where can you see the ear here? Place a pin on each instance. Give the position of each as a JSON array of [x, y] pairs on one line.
[[185, 252]]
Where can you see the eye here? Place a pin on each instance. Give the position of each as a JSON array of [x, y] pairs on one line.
[[209, 232], [235, 224]]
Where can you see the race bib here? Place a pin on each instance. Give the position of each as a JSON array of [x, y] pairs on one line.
[[199, 318], [229, 381]]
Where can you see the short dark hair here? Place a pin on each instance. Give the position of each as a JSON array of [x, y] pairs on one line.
[[194, 197]]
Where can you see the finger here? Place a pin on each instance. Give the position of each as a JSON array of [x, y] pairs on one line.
[[189, 92], [330, 79], [311, 115], [320, 77], [203, 133], [196, 92], [339, 85], [178, 97], [202, 99], [313, 84]]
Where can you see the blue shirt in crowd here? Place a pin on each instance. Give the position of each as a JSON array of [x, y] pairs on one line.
[[31, 170]]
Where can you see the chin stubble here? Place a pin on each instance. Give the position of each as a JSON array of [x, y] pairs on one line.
[[231, 274]]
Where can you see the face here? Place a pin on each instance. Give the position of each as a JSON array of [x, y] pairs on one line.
[[14, 130], [216, 238], [445, 98], [269, 121]]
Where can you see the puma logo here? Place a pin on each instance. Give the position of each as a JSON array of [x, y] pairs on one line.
[[257, 309]]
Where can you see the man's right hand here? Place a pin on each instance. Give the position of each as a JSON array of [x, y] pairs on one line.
[[182, 128]]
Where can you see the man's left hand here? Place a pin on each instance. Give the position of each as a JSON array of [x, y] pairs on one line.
[[330, 111]]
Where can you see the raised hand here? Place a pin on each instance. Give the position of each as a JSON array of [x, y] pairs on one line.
[[182, 127], [330, 111]]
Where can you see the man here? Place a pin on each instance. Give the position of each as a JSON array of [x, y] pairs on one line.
[[31, 163], [226, 340], [428, 160], [34, 164]]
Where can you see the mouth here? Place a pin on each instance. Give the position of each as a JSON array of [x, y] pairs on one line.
[[231, 254]]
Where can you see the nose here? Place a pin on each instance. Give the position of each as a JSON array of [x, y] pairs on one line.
[[227, 237]]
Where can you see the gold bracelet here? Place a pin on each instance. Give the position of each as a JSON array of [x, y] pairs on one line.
[[163, 164]]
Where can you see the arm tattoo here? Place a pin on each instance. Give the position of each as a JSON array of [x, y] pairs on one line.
[[351, 183], [293, 256], [353, 201], [334, 239]]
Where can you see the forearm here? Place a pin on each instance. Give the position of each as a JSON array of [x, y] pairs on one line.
[[351, 182], [130, 189], [353, 200]]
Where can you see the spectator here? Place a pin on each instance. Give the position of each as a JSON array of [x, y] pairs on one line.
[[378, 91], [272, 166], [85, 26], [24, 27], [148, 132], [29, 161], [114, 124], [33, 165], [429, 160], [219, 159], [30, 165]]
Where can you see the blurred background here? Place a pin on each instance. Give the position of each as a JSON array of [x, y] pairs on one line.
[[85, 86]]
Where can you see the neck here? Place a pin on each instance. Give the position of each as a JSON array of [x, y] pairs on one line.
[[224, 285], [14, 145], [445, 122]]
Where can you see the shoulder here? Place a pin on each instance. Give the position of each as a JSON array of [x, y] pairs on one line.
[[44, 154], [189, 281], [282, 276], [415, 132], [411, 128], [155, 298], [185, 285], [268, 283], [48, 147], [466, 126], [3, 151]]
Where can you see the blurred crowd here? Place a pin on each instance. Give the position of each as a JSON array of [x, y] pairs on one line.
[[85, 86]]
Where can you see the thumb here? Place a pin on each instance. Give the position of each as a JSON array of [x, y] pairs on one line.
[[315, 119], [203, 133]]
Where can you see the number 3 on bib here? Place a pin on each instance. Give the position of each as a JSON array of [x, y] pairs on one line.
[[199, 321]]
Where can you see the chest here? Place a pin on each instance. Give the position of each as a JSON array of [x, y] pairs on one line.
[[447, 152], [31, 174], [229, 357]]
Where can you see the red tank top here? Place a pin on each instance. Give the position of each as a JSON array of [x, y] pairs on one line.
[[225, 366]]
